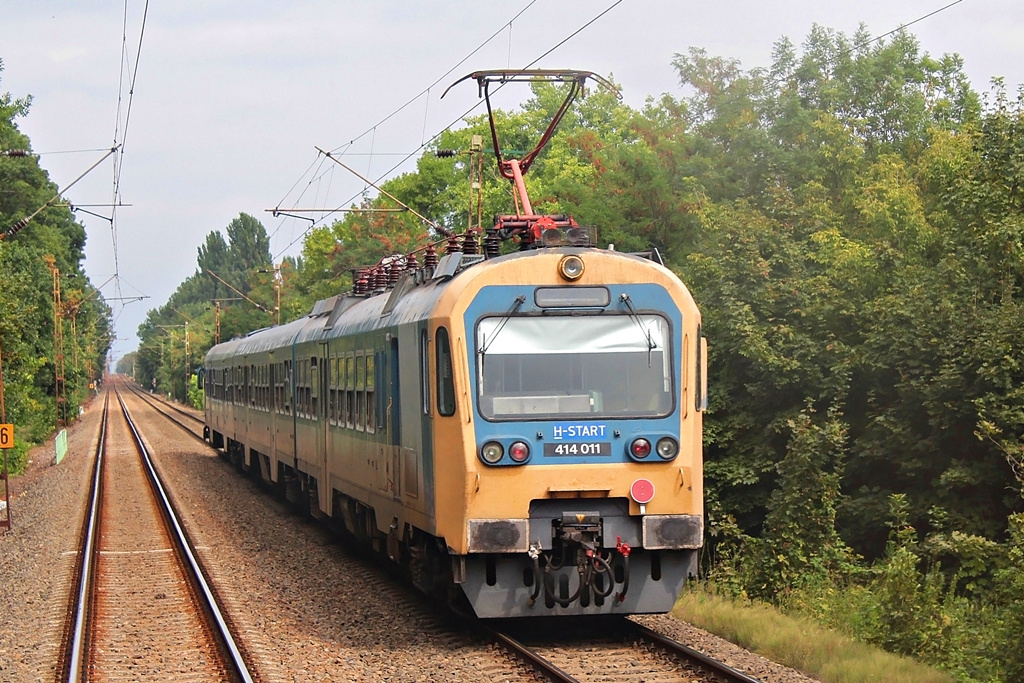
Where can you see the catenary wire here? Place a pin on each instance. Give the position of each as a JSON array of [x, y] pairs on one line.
[[426, 91], [476, 105], [535, 61], [123, 131]]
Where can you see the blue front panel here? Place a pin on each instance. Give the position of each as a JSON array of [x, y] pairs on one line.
[[574, 439]]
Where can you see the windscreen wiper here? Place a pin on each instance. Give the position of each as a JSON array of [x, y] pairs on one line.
[[624, 298], [520, 300]]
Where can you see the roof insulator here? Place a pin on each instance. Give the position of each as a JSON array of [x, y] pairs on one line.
[[430, 257]]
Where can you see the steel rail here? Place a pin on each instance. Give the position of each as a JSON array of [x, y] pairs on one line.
[[719, 668], [192, 563], [153, 404], [532, 657], [139, 391], [75, 658]]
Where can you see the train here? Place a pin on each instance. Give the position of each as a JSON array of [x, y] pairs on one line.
[[521, 431]]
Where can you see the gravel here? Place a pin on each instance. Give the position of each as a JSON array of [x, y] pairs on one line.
[[307, 609], [38, 552]]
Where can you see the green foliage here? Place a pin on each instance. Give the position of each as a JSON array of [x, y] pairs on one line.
[[234, 288], [800, 542], [26, 294], [795, 640], [196, 396], [851, 221]]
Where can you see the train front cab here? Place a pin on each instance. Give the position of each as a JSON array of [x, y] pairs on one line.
[[579, 409]]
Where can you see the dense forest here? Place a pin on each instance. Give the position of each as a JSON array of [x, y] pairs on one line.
[[851, 221], [29, 252]]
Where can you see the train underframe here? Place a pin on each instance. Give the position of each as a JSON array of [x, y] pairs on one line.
[[584, 556]]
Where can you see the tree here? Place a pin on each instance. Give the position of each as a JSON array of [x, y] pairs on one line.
[[26, 302]]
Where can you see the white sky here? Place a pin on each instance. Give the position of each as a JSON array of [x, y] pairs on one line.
[[231, 97]]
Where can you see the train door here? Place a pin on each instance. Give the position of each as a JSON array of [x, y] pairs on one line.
[[393, 416], [321, 412], [272, 408]]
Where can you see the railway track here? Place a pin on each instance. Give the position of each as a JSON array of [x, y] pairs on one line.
[[142, 609], [190, 423], [609, 649]]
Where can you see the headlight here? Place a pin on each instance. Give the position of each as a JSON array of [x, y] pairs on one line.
[[492, 452], [667, 448], [571, 268]]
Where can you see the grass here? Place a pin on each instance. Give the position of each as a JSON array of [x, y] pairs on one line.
[[799, 643]]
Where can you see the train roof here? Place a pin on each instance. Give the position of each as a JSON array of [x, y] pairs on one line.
[[411, 298]]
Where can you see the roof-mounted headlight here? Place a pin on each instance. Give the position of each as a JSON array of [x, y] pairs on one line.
[[571, 268]]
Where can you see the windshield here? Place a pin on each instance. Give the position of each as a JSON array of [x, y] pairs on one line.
[[553, 366]]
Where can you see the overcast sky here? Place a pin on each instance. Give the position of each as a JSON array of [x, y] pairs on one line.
[[231, 97]]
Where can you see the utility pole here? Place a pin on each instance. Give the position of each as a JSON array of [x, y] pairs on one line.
[[476, 174], [277, 289], [5, 429], [188, 369], [59, 388], [216, 316], [168, 329]]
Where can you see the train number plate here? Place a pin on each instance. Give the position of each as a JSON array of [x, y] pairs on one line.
[[578, 448]]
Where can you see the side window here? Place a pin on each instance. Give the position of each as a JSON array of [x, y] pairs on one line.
[[701, 383], [314, 388], [350, 392], [332, 398], [425, 371], [445, 374], [360, 391], [371, 405], [288, 387]]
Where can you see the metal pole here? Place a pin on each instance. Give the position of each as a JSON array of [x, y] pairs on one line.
[[277, 286], [188, 373], [5, 523]]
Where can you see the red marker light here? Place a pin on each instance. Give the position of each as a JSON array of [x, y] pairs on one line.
[[519, 451], [642, 491], [640, 448]]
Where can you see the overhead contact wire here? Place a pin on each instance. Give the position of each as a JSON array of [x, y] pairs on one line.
[[400, 109], [460, 118]]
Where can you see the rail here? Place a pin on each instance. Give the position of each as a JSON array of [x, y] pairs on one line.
[[76, 644]]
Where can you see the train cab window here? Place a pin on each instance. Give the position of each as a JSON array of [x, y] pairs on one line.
[[445, 373], [371, 421], [350, 392], [561, 366]]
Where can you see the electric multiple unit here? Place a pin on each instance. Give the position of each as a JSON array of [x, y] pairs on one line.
[[522, 428]]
